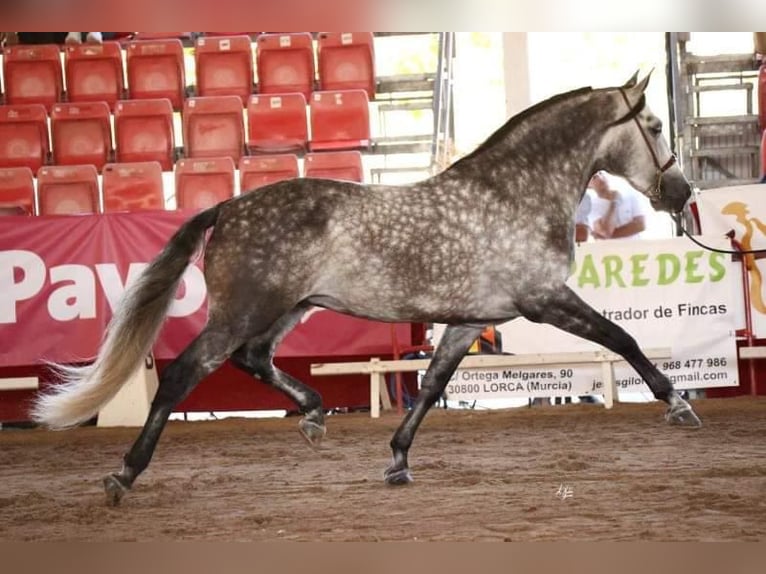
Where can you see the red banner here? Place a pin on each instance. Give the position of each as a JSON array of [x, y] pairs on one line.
[[61, 276]]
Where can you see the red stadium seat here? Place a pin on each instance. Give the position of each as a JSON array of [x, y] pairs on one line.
[[23, 136], [156, 70], [339, 120], [344, 165], [81, 133], [213, 127], [17, 191], [143, 131], [214, 34], [161, 35], [32, 74], [94, 72], [257, 171], [71, 189], [202, 183], [285, 63], [224, 67], [277, 122], [346, 61], [132, 186]]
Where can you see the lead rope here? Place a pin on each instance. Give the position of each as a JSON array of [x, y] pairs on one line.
[[677, 218]]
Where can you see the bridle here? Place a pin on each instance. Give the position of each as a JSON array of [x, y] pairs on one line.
[[653, 193]]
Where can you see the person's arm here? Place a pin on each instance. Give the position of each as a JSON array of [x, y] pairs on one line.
[[634, 226], [582, 228], [603, 227], [581, 232], [638, 223]]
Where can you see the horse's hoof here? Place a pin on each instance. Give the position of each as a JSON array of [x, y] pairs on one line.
[[397, 477], [683, 415], [312, 432], [114, 490]]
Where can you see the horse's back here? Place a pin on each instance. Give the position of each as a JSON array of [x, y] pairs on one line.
[[419, 252]]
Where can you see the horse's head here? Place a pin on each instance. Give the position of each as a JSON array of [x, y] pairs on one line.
[[634, 148]]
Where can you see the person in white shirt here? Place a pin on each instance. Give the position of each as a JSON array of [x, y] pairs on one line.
[[582, 216], [615, 214]]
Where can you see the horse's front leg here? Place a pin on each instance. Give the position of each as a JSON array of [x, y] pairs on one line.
[[453, 346], [562, 308]]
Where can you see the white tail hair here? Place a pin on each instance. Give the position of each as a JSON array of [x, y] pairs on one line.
[[129, 336]]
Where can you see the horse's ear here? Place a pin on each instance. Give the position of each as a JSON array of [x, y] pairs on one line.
[[645, 82], [634, 85], [631, 82], [635, 91]]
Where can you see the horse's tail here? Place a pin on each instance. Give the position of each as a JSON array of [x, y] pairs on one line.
[[129, 335]]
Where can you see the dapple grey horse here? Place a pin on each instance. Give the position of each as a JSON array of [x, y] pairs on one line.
[[485, 241]]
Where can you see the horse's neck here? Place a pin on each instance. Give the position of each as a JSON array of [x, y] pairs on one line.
[[563, 139], [570, 128]]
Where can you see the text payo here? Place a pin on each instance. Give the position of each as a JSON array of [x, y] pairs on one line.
[[72, 292]]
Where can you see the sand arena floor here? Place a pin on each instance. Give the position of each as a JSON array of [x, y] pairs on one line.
[[575, 472]]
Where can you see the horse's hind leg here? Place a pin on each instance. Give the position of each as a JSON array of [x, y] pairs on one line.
[[565, 310], [205, 354], [255, 358], [455, 342]]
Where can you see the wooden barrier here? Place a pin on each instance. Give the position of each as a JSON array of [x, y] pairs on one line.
[[377, 369], [752, 352], [130, 406], [19, 383]]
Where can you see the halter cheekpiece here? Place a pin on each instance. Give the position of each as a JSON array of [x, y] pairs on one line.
[[652, 193]]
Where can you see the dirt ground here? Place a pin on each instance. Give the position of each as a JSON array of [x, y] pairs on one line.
[[574, 472]]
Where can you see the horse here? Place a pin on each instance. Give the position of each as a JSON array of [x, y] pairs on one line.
[[487, 240]]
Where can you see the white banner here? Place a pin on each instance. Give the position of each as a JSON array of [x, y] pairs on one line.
[[666, 293], [741, 209]]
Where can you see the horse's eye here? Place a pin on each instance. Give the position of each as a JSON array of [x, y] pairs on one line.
[[655, 130]]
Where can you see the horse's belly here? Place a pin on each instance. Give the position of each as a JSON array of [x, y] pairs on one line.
[[421, 308]]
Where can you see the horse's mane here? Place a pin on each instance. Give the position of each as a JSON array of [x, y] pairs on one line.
[[500, 133]]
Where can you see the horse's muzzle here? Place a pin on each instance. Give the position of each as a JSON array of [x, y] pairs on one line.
[[674, 194]]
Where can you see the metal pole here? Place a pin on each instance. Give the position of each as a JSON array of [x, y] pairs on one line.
[[748, 313]]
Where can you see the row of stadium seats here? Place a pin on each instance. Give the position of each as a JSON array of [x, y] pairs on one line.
[[212, 126], [156, 69], [136, 186]]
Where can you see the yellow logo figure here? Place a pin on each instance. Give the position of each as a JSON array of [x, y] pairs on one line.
[[739, 210]]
